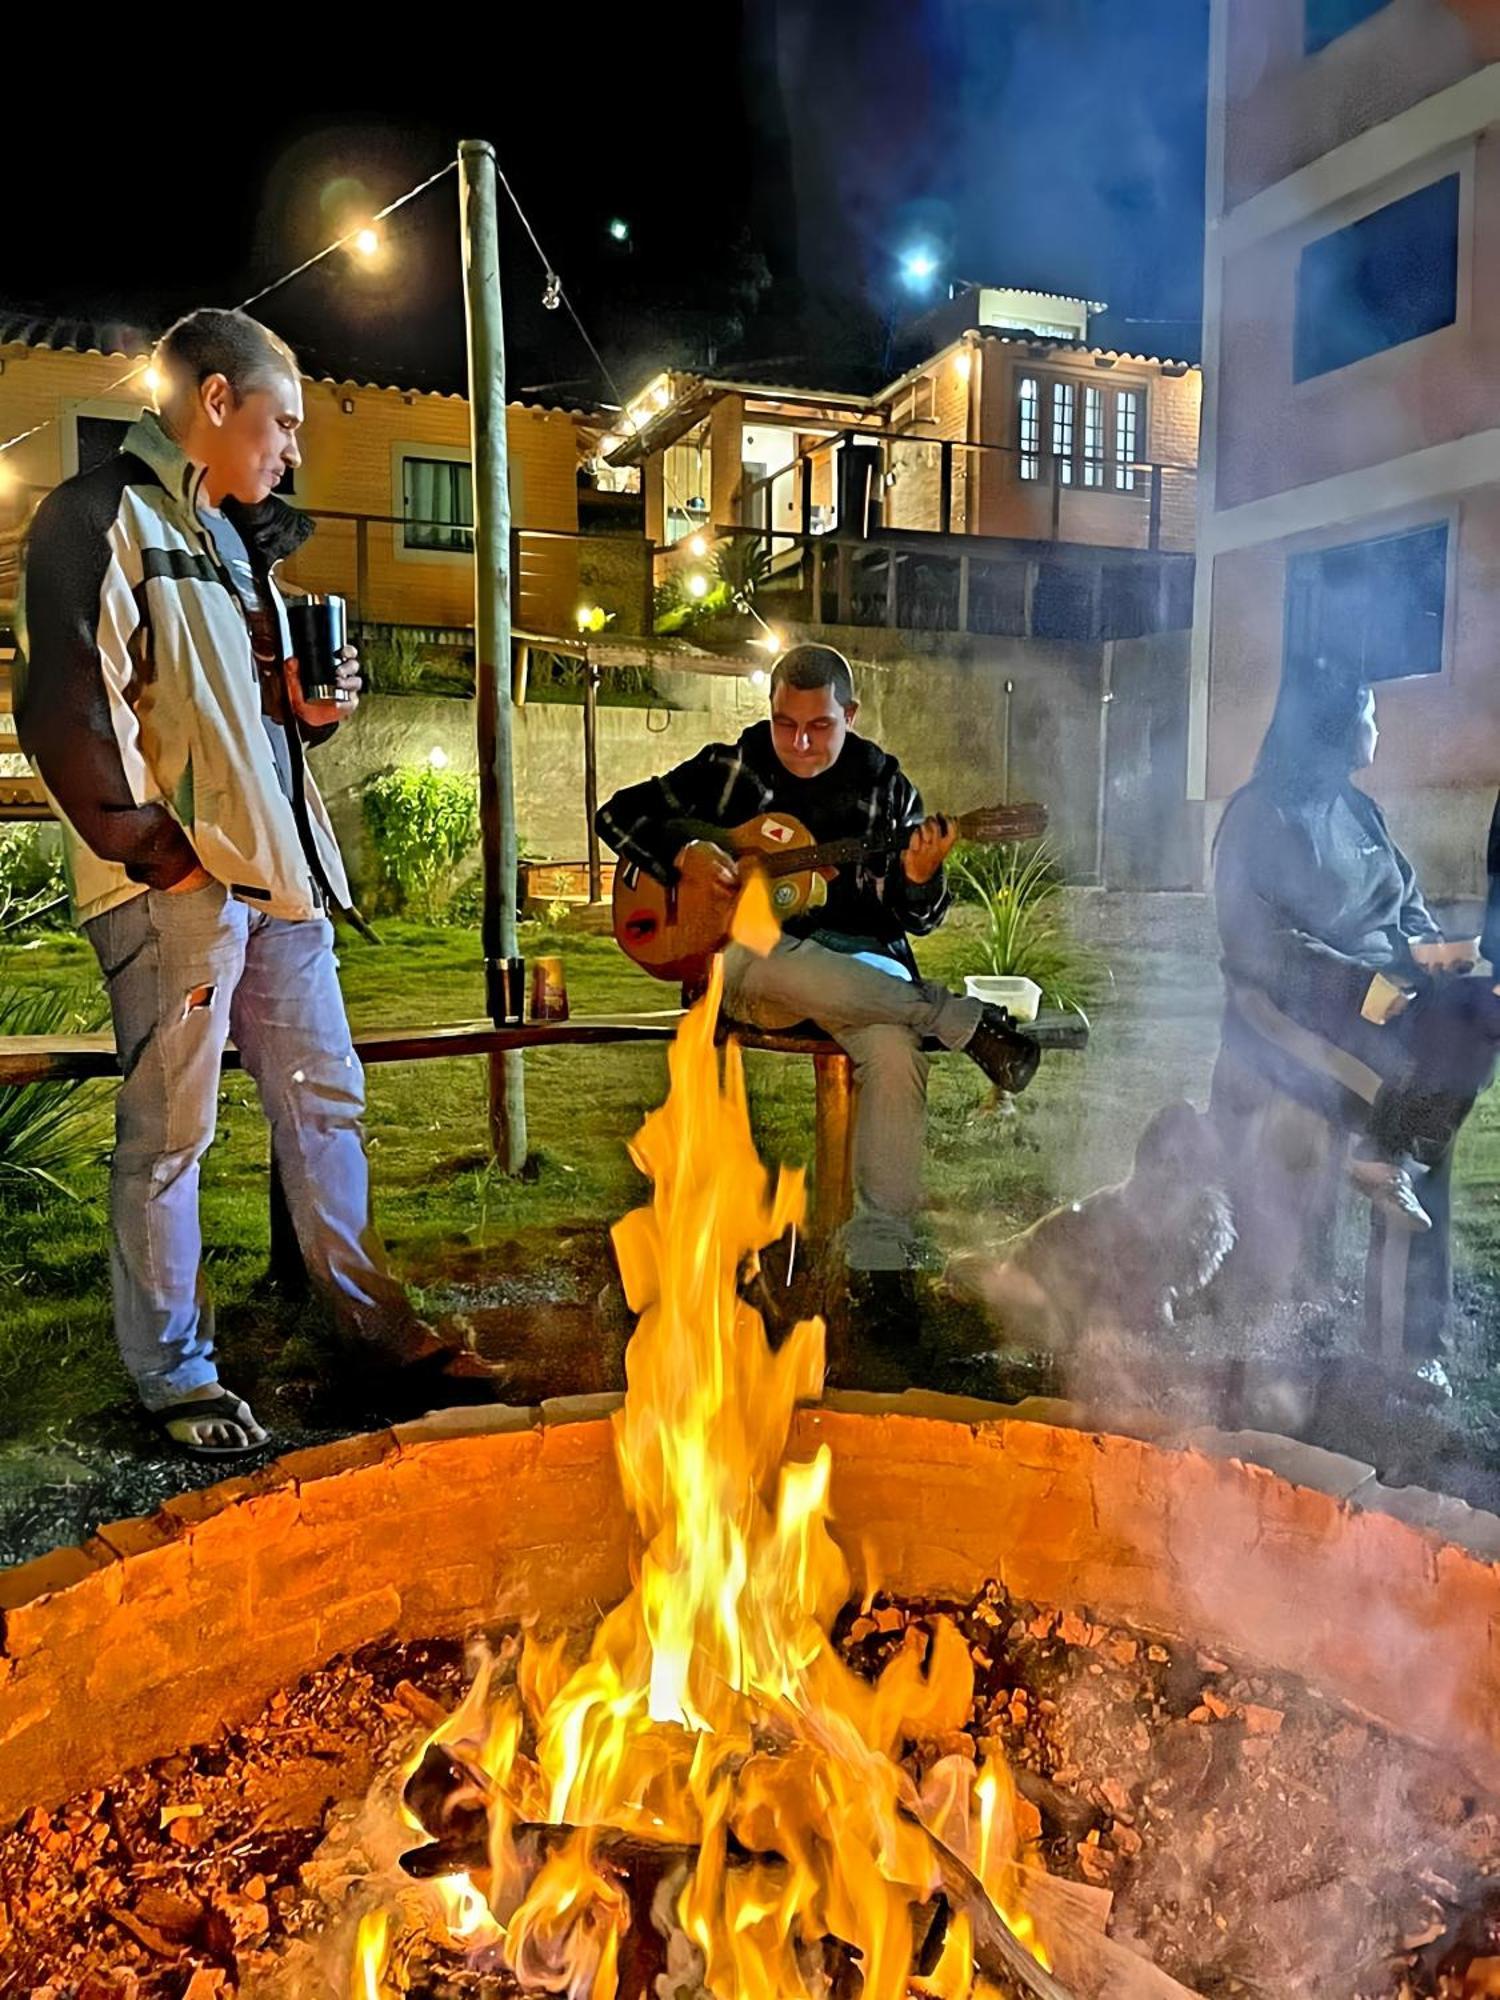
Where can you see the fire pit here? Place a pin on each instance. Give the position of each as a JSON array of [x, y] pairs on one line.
[[712, 1765]]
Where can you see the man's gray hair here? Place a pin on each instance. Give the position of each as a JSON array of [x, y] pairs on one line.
[[211, 341], [807, 667]]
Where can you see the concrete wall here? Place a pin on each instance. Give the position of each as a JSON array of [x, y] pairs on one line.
[[937, 701], [1286, 108]]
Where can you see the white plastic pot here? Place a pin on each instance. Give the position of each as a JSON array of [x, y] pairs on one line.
[[1019, 997]]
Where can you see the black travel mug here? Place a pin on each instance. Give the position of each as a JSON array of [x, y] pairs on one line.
[[318, 636]]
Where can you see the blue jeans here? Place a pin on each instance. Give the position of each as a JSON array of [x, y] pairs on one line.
[[184, 973]]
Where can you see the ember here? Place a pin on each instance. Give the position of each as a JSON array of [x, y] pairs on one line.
[[713, 1759]]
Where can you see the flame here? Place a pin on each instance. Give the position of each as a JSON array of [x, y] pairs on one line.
[[712, 1713], [367, 1982]]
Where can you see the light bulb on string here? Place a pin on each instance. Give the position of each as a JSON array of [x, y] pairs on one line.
[[552, 292], [366, 241]]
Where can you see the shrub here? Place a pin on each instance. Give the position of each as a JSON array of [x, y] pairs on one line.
[[1017, 887], [48, 1134], [32, 884], [423, 824]]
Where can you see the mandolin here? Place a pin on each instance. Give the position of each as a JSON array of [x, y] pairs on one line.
[[673, 931]]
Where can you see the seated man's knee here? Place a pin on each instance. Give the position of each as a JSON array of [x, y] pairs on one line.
[[892, 1054]]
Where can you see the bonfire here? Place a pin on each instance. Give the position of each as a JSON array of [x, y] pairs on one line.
[[713, 1771]]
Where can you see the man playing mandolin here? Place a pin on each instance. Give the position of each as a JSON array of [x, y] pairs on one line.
[[847, 965]]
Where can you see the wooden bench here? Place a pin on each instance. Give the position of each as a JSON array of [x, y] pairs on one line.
[[58, 1058]]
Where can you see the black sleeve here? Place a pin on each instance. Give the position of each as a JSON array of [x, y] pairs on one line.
[[64, 718], [1489, 943], [650, 823], [919, 906]]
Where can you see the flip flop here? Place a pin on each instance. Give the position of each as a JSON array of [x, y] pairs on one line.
[[224, 1409]]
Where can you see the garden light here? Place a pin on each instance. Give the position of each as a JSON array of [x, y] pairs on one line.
[[437, 757], [697, 584], [698, 545]]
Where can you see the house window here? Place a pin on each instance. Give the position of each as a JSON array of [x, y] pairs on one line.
[[1127, 438], [1328, 19], [1062, 430], [1092, 437], [1387, 279], [1030, 405], [437, 505], [1373, 608]]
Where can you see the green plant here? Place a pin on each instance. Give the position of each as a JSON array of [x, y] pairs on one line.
[[1017, 887], [32, 884], [743, 565], [423, 823], [48, 1133], [395, 661]]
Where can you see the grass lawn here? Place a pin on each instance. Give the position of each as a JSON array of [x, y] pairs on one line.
[[457, 1230]]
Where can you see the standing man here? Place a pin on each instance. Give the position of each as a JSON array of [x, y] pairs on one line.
[[847, 966], [160, 706]]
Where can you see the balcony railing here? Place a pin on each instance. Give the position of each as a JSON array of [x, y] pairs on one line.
[[864, 483]]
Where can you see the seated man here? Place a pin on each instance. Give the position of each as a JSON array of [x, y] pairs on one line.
[[847, 966]]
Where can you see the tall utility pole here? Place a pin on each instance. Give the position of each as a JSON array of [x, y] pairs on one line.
[[497, 790]]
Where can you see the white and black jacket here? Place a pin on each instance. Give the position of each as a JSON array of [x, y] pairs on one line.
[[137, 697]]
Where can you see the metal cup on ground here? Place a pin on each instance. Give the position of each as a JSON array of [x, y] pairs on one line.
[[549, 990], [319, 631]]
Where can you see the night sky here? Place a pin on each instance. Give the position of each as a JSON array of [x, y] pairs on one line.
[[773, 159]]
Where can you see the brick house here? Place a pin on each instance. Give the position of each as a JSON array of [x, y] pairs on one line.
[[1350, 499], [385, 469], [1012, 425]]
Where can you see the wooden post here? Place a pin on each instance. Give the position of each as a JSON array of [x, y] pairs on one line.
[[480, 233], [1153, 528], [965, 582], [520, 674], [833, 1143], [591, 773], [945, 499]]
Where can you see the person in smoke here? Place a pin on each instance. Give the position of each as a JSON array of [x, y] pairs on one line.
[[1342, 990]]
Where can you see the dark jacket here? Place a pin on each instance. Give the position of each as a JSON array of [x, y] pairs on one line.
[[1489, 942], [1312, 901], [865, 795]]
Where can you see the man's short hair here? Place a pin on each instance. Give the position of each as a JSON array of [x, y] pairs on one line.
[[806, 667], [213, 342]]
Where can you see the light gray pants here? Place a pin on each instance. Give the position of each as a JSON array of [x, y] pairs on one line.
[[183, 974], [881, 1020]]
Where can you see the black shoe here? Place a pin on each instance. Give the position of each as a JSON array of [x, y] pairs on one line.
[[1007, 1058]]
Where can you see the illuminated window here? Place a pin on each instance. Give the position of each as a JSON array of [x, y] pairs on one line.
[[437, 505], [1093, 436], [1062, 430], [1127, 438], [1031, 428]]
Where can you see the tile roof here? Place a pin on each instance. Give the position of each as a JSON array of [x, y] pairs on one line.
[[108, 338]]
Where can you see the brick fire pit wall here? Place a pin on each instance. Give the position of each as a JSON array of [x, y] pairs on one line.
[[156, 1631]]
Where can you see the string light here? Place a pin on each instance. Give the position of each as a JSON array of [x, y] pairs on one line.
[[350, 236], [698, 545], [619, 229], [552, 292], [758, 677], [697, 584], [367, 241]]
